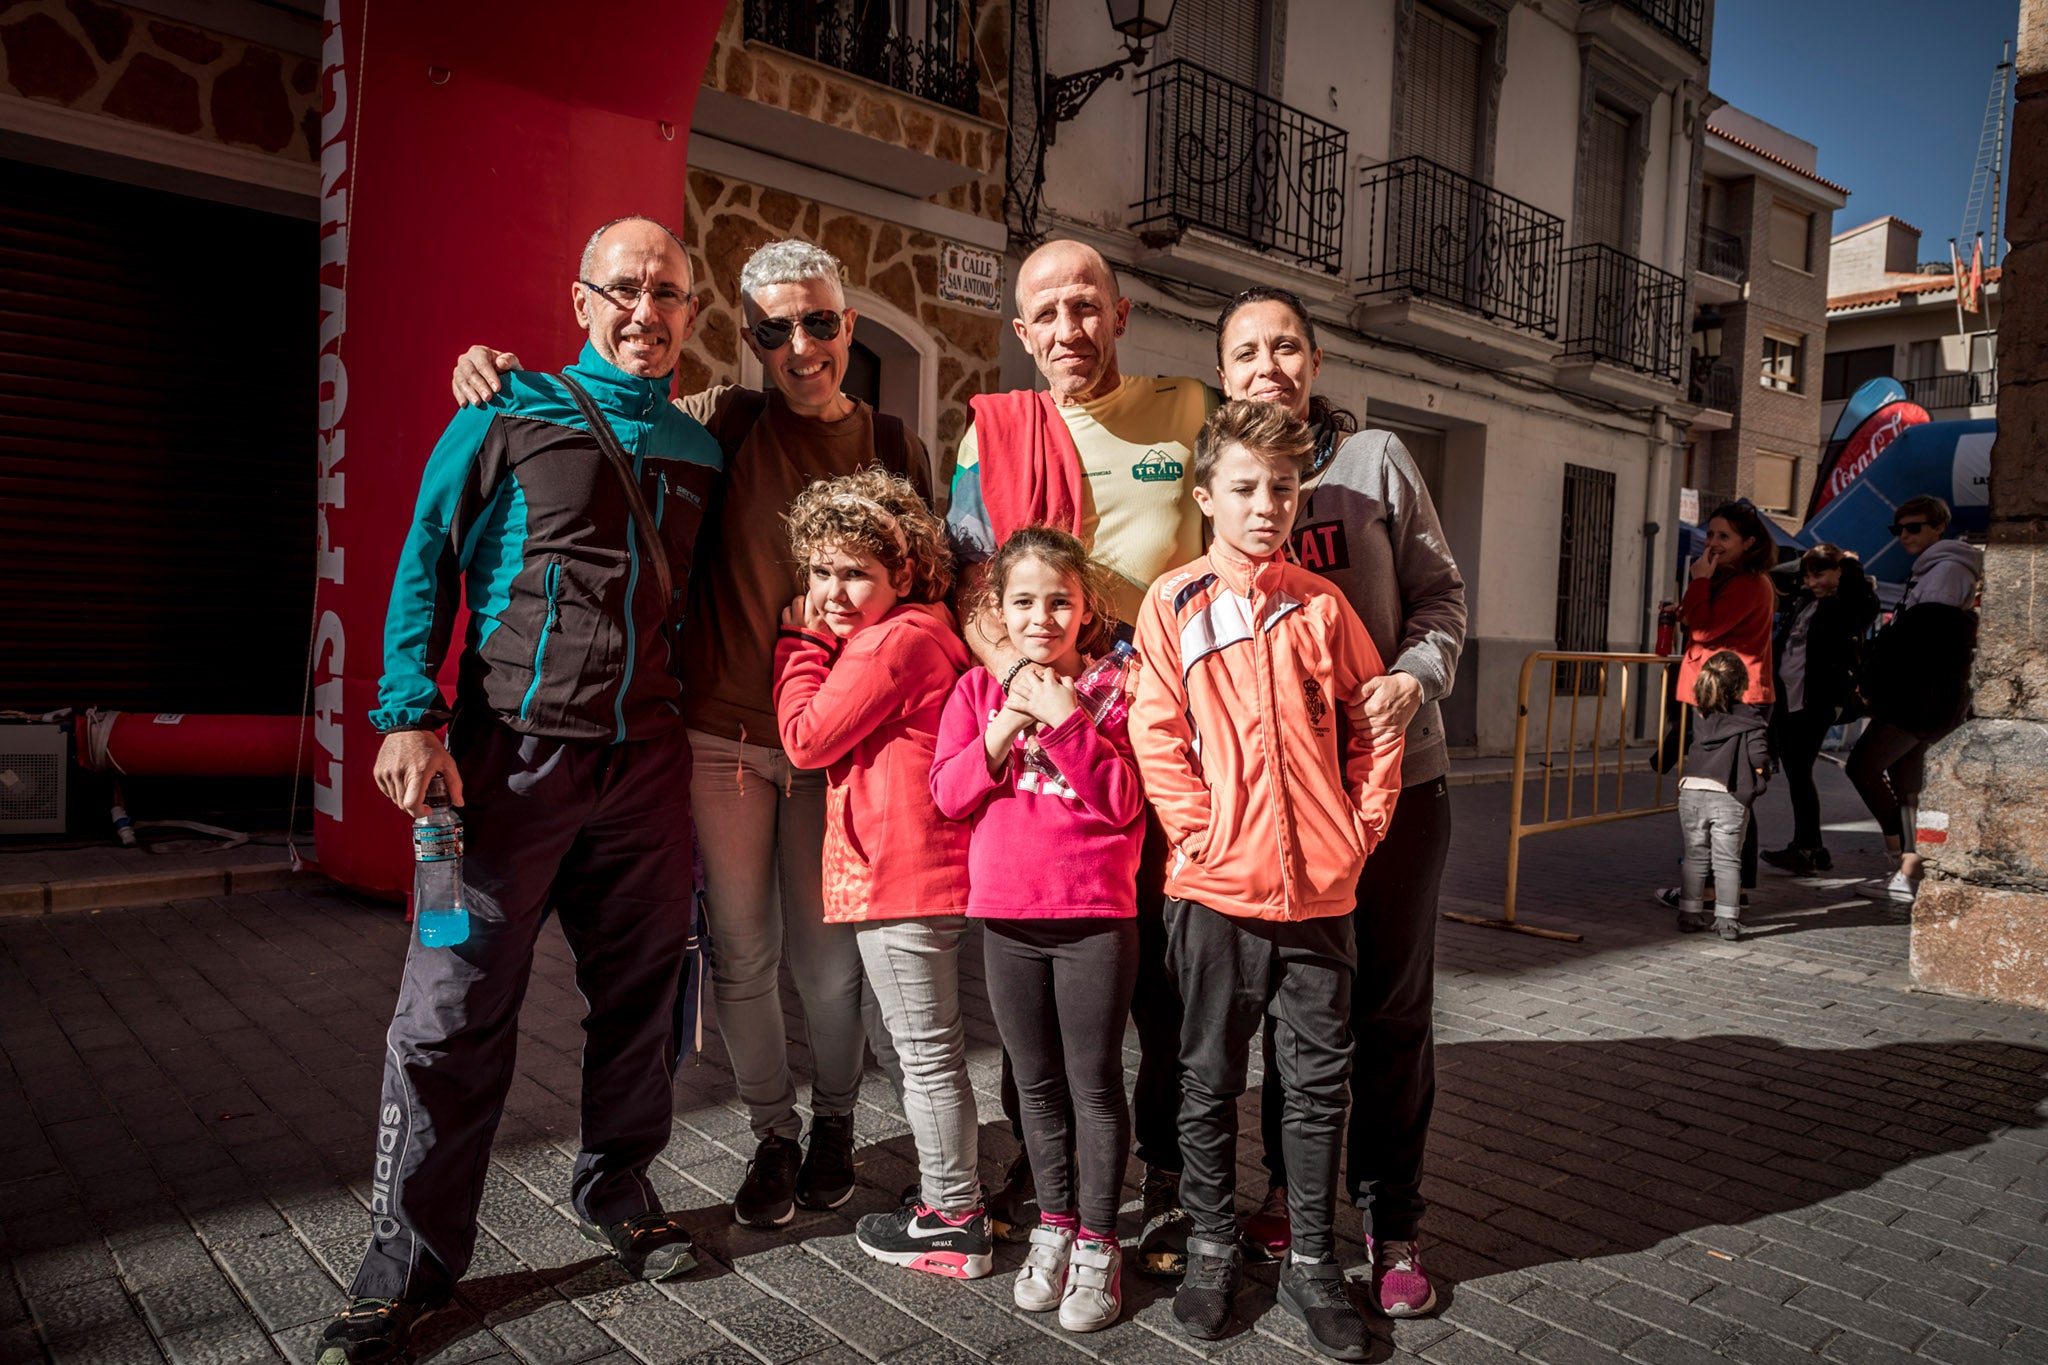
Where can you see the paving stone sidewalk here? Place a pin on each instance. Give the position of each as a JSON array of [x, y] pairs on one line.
[[1647, 1147]]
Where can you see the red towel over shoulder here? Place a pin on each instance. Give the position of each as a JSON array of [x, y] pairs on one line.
[[1030, 470]]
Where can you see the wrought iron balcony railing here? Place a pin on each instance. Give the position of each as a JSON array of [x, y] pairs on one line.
[[1683, 20], [1624, 311], [1970, 390], [1222, 157], [1712, 384], [1723, 254], [1434, 233], [926, 49]]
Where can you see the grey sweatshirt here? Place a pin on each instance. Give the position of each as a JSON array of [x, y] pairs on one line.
[[1946, 571], [1368, 526]]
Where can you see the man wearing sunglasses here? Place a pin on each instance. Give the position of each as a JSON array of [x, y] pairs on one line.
[[564, 513], [761, 821], [1917, 682]]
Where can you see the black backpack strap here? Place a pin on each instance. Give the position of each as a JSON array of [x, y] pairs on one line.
[[643, 519]]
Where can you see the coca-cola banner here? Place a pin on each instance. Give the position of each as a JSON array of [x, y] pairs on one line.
[[466, 152]]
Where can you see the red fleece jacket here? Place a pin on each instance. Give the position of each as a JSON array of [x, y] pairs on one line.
[[1729, 611], [867, 711]]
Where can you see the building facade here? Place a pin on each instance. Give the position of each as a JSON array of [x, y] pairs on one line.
[[1488, 207], [1761, 317], [1891, 315]]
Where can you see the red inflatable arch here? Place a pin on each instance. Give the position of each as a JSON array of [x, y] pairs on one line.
[[466, 151]]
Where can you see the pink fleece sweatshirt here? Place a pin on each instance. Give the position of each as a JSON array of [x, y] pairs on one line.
[[1041, 850]]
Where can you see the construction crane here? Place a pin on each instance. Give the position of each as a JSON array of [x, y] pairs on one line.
[[1990, 171]]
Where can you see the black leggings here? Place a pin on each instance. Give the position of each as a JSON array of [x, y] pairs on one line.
[[1800, 735], [1889, 767], [1060, 991]]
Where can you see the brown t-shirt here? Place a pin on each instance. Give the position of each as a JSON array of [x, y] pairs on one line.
[[745, 573]]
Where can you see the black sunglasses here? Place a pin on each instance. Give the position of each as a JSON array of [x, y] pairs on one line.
[[772, 334], [1900, 528]]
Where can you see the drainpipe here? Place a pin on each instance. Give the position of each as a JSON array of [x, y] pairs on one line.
[[1660, 444]]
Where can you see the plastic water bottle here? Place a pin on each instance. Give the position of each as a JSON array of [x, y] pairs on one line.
[[1101, 694], [437, 872]]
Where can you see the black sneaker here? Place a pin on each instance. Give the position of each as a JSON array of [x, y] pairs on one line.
[[1798, 861], [767, 1197], [919, 1237], [1823, 861], [1315, 1294], [1208, 1285], [1695, 922], [653, 1246], [825, 1180], [369, 1331], [1163, 1238], [1013, 1209]]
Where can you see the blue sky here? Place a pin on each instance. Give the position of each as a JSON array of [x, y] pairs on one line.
[[1892, 91]]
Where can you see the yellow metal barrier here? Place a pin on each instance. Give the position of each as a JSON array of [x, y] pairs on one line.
[[1573, 672]]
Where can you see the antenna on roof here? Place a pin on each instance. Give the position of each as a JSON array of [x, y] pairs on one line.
[[1989, 174]]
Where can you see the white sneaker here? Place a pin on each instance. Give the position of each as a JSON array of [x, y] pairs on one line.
[[1044, 1277], [1095, 1295], [1898, 888]]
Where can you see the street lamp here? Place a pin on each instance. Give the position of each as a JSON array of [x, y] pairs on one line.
[[1061, 97]]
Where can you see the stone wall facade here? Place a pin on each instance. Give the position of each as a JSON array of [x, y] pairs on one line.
[[1980, 925], [109, 59], [727, 219]]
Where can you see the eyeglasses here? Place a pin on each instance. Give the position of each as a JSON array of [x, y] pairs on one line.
[[772, 334], [1906, 528], [626, 297]]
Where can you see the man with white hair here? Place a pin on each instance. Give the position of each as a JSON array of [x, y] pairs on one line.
[[761, 820]]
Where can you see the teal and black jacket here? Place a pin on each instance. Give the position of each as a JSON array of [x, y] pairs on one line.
[[522, 516]]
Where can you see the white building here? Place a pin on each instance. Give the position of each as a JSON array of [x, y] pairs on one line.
[[1891, 314], [1489, 207]]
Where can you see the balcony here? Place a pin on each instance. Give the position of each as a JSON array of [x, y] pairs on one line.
[[1711, 387], [1682, 21], [1723, 254], [1978, 388], [1226, 160], [926, 50], [1437, 243]]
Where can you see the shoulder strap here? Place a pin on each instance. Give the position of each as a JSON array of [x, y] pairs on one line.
[[643, 519]]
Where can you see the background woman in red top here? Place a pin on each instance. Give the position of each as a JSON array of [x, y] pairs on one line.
[[1729, 605]]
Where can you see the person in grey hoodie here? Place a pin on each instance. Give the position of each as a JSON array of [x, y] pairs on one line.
[[1367, 524], [1917, 684]]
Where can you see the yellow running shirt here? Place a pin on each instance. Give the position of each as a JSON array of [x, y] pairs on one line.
[[1137, 448]]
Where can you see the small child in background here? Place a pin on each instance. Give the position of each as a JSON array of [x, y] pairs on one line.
[[864, 665], [1725, 773], [1054, 866], [1272, 792]]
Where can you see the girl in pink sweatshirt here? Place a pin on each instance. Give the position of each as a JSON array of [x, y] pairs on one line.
[[864, 665], [1053, 870]]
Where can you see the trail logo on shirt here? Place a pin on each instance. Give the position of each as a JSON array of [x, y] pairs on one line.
[[1322, 547], [1157, 467], [1312, 697]]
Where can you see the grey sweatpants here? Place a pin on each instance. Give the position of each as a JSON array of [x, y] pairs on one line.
[[1713, 824], [914, 967], [600, 833]]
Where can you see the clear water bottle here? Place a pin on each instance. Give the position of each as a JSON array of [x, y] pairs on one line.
[[1101, 693], [437, 872]]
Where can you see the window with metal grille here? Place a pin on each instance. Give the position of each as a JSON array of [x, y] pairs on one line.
[[1781, 368], [1585, 563], [1606, 179], [1791, 236], [1775, 478], [1440, 101], [1220, 36]]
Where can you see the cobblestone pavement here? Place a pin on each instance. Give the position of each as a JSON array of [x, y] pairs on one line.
[[1647, 1147]]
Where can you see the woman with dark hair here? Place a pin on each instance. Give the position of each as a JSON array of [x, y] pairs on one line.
[[1817, 657], [1367, 524], [1729, 605]]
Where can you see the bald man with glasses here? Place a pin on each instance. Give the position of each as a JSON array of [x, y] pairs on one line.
[[760, 819]]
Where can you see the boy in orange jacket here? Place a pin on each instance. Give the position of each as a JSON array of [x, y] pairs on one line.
[[1272, 793]]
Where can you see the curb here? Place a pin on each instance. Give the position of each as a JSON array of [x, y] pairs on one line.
[[142, 888]]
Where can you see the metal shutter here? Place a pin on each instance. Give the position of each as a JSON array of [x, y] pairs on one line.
[[1221, 36], [1606, 178], [1440, 103], [157, 374]]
